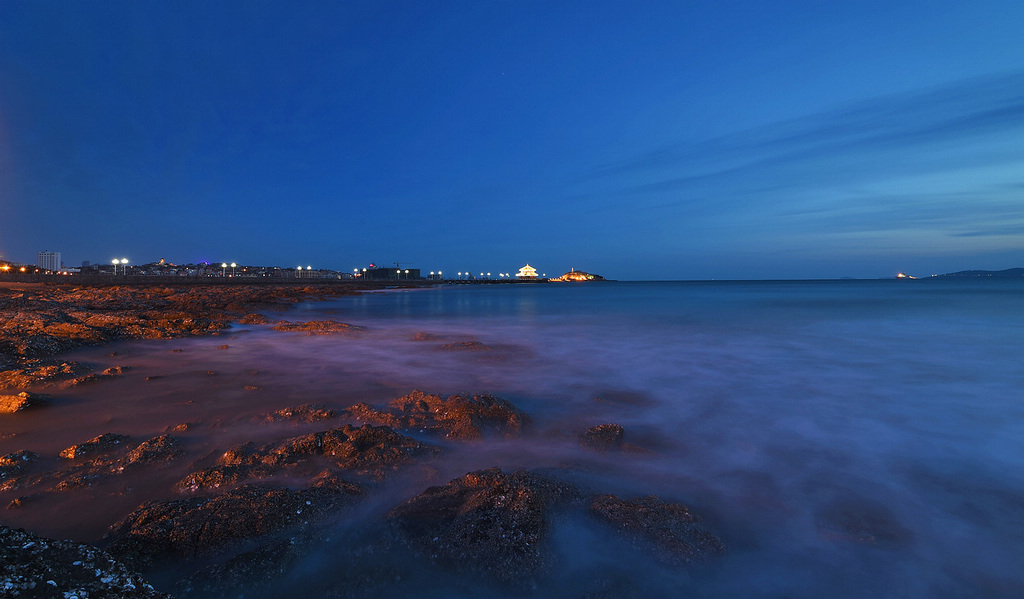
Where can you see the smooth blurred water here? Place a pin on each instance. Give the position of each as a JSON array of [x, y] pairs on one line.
[[784, 410], [844, 438]]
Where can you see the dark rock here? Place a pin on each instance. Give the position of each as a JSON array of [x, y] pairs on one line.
[[20, 502], [53, 319], [218, 477], [223, 347], [10, 404], [669, 530], [76, 476], [45, 332], [33, 566], [304, 413], [38, 371], [16, 463], [603, 437], [486, 522], [456, 416], [77, 479], [202, 526], [95, 461], [364, 412], [421, 336], [319, 327], [330, 480], [253, 318], [114, 370], [97, 445], [466, 346], [371, 451], [78, 381], [158, 449]]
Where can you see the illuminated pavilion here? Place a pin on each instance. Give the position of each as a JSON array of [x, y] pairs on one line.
[[527, 272]]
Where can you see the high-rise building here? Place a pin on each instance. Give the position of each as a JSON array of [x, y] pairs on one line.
[[48, 260]]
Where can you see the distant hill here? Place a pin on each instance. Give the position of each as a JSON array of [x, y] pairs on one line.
[[1009, 273]]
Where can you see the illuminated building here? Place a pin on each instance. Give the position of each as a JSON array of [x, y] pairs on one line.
[[527, 272]]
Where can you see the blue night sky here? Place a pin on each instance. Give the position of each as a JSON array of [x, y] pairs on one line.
[[638, 140]]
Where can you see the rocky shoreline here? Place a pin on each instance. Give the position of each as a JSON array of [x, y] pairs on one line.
[[40, 322], [248, 517]]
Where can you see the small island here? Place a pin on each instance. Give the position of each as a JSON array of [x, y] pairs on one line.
[[577, 276]]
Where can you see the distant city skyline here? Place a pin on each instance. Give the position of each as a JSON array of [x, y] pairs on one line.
[[49, 260], [686, 140]]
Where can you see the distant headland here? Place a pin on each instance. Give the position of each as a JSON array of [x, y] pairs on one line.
[[1009, 273]]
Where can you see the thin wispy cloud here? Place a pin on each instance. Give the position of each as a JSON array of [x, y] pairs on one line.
[[996, 231], [912, 133], [944, 162]]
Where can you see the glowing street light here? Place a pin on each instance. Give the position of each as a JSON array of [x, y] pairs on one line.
[[124, 265], [233, 265], [223, 267]]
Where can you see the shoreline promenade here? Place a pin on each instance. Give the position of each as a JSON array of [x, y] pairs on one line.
[[143, 280]]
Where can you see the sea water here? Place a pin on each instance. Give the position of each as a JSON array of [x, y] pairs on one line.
[[843, 438], [848, 438]]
